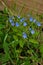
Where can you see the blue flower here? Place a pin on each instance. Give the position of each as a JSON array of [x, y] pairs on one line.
[[34, 20], [31, 19], [17, 24], [18, 17], [12, 23], [25, 24], [10, 20], [21, 20], [24, 35], [38, 23], [32, 31]]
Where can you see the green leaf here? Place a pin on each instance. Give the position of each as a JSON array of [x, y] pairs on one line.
[[33, 41], [41, 49], [1, 26], [5, 58], [6, 48], [21, 43], [15, 37], [20, 33], [5, 37], [4, 64], [5, 11], [27, 62]]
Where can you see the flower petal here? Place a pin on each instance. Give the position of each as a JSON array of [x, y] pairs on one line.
[[17, 24], [31, 19], [25, 24], [24, 35]]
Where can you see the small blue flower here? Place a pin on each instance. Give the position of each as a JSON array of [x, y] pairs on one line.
[[21, 20], [25, 24], [24, 35], [18, 17], [38, 23], [34, 20], [17, 24], [31, 19], [10, 20], [32, 31], [12, 23]]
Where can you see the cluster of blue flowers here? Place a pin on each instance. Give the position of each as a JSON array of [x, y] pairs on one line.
[[11, 21], [31, 19], [24, 24], [35, 21], [17, 24]]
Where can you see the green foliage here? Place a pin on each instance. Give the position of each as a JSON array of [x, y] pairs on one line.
[[41, 49], [17, 47]]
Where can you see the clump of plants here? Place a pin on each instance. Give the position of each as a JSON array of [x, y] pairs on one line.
[[19, 40]]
